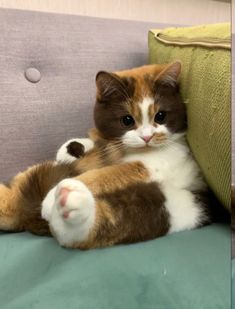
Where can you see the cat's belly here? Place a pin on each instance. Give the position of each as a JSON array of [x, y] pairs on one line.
[[164, 167], [177, 176], [155, 166]]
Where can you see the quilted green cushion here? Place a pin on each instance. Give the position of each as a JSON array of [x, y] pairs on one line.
[[181, 271], [206, 88]]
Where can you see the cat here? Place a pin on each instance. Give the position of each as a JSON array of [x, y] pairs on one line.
[[134, 179]]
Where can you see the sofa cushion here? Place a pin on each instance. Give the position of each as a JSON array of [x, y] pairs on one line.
[[183, 270], [205, 84]]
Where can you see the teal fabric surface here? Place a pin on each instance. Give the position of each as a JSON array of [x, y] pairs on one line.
[[184, 270], [233, 283]]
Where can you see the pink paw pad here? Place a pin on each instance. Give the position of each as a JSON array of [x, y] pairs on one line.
[[66, 214], [63, 196]]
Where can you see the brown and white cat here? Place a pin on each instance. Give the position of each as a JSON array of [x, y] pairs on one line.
[[134, 180]]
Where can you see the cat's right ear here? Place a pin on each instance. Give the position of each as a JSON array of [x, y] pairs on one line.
[[171, 74], [167, 80], [111, 87]]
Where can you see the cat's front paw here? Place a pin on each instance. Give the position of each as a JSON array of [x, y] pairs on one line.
[[74, 149], [72, 211]]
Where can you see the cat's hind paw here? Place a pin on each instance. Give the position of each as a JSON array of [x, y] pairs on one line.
[[74, 201], [72, 213]]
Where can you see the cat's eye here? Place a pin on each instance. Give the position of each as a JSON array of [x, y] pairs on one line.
[[160, 117], [128, 121]]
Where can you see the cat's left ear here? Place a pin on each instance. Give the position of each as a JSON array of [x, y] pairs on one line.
[[170, 75], [111, 87], [107, 83]]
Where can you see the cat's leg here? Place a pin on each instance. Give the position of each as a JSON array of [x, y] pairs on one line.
[[115, 204], [21, 200], [74, 149]]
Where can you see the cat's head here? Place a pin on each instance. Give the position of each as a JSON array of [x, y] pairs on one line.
[[140, 107]]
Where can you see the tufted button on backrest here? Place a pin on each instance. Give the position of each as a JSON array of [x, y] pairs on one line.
[[33, 75]]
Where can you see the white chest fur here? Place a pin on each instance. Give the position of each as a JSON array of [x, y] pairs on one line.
[[177, 175]]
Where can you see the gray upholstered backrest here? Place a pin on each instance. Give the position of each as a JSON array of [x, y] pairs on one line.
[[36, 118]]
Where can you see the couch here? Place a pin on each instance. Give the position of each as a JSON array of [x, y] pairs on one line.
[[48, 65]]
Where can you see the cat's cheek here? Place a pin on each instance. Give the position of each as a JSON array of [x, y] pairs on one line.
[[132, 139], [162, 129]]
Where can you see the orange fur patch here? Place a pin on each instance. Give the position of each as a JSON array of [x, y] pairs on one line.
[[9, 210], [114, 177], [153, 109], [159, 137]]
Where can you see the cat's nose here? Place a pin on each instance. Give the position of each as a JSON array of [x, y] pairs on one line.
[[147, 138]]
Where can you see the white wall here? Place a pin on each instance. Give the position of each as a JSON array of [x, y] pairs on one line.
[[233, 16], [173, 11]]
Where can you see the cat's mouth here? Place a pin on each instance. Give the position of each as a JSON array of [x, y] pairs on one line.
[[157, 140], [151, 143]]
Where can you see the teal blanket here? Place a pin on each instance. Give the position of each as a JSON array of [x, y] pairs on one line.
[[184, 270], [233, 284]]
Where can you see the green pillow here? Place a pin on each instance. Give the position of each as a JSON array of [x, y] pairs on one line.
[[205, 53]]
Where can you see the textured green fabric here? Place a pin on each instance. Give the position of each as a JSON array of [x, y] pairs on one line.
[[214, 31], [206, 89], [185, 270]]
